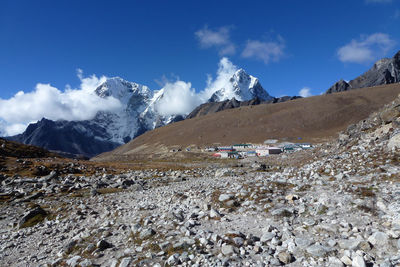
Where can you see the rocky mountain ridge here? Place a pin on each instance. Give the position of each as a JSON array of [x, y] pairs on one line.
[[384, 71]]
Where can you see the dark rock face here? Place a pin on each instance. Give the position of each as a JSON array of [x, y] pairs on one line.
[[212, 107], [283, 99], [77, 138], [340, 86], [384, 71]]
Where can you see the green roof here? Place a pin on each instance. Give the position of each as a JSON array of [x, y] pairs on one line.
[[242, 145]]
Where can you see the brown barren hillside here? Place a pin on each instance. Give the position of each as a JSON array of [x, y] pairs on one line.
[[313, 119], [18, 150]]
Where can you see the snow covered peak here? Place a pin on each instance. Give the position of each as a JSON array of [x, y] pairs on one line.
[[121, 89], [241, 86]]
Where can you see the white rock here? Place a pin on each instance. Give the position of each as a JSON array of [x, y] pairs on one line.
[[214, 214], [173, 259], [73, 261], [335, 262], [394, 142], [317, 250], [227, 250], [346, 260], [267, 237], [358, 261], [379, 239], [225, 197], [125, 262]]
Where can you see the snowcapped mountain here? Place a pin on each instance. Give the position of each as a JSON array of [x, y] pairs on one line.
[[137, 115], [139, 112], [242, 87]]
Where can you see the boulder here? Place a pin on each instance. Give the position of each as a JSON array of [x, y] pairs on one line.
[[32, 217]]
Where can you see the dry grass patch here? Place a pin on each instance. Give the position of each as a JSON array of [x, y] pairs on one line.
[[109, 190]]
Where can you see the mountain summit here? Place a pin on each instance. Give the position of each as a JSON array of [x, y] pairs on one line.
[[138, 113], [242, 87]]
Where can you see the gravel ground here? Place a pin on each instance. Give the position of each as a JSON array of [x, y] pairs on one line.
[[340, 207]]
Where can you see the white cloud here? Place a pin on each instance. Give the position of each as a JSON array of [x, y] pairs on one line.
[[219, 38], [14, 129], [265, 51], [52, 103], [226, 69], [305, 92], [180, 98], [367, 49]]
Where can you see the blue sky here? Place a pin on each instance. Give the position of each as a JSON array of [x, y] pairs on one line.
[[287, 44]]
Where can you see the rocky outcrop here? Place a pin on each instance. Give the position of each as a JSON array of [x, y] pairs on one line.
[[339, 86], [380, 130], [384, 71]]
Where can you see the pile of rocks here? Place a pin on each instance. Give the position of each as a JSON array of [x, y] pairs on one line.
[[340, 209]]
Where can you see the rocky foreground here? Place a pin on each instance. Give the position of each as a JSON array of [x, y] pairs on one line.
[[340, 209]]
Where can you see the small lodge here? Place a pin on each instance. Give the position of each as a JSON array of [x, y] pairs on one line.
[[225, 148], [305, 145], [242, 146], [225, 155], [290, 148], [265, 151]]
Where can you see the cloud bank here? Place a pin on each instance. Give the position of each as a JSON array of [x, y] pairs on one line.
[[50, 102], [219, 39], [305, 92], [180, 98], [366, 49], [226, 69], [267, 52]]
